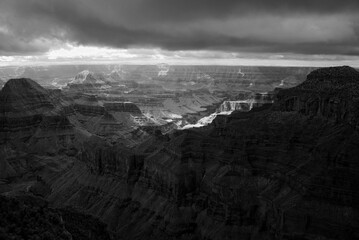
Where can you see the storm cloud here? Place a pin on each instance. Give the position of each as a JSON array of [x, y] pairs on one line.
[[252, 26]]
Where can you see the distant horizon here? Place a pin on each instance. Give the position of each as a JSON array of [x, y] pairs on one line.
[[253, 63]]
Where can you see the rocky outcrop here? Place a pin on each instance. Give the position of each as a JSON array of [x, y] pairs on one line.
[[332, 93], [24, 105]]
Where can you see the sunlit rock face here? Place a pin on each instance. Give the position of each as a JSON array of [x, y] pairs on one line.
[[230, 106], [245, 101], [275, 172]]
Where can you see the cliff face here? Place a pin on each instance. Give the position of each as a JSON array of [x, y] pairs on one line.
[[287, 171]]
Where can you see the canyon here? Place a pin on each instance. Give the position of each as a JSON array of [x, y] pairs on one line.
[[184, 152], [164, 93]]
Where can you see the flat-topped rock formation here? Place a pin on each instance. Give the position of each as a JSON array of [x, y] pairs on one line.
[[334, 75], [332, 93]]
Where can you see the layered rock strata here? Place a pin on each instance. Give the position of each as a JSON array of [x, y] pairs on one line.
[[287, 171]]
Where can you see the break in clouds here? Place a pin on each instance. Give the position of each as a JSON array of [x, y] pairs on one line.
[[321, 27]]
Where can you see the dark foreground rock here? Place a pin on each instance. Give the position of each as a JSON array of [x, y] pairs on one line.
[[27, 217]]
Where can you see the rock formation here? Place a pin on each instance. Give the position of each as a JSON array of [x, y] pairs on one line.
[[25, 108], [331, 93], [287, 170], [35, 120]]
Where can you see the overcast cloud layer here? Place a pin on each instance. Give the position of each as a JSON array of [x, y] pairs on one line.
[[306, 27]]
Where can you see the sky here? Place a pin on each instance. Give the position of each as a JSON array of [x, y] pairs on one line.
[[228, 32]]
